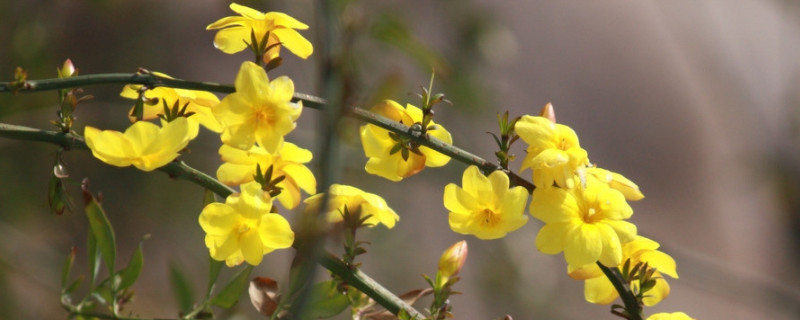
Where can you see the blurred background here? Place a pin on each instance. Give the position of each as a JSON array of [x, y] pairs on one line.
[[696, 101]]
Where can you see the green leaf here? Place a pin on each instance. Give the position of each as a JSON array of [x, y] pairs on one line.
[[214, 268], [182, 288], [101, 228], [131, 272], [228, 296], [72, 286], [94, 258], [67, 268], [324, 301]]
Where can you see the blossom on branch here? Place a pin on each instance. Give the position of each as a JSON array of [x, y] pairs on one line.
[[598, 289], [395, 157], [586, 222], [485, 207], [368, 205], [143, 145], [235, 33], [554, 153], [243, 228], [197, 102], [289, 162], [259, 111]]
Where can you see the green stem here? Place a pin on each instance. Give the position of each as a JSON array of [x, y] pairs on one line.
[[632, 305], [362, 282], [180, 170]]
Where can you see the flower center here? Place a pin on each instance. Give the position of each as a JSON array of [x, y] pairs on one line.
[[265, 116], [489, 218], [592, 215]]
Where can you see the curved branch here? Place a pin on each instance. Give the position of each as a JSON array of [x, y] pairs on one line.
[[179, 170]]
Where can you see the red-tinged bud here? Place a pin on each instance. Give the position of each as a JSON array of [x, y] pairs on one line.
[[453, 259], [548, 112], [67, 70]]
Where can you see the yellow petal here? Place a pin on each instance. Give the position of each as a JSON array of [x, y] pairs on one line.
[[235, 174], [218, 219], [275, 232], [247, 11], [475, 183], [231, 40], [294, 42], [458, 200], [284, 20], [599, 291], [550, 239], [583, 245], [553, 205], [252, 249], [611, 255]]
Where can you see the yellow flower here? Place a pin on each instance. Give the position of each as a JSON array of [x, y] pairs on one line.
[[617, 182], [598, 289], [386, 155], [485, 207], [199, 102], [554, 153], [259, 111], [670, 316], [236, 30], [240, 166], [143, 145], [367, 204], [584, 222], [243, 229]]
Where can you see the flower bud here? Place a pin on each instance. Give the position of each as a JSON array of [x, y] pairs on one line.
[[453, 259], [548, 112], [67, 70]]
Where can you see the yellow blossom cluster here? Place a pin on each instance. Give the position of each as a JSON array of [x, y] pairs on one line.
[[252, 123]]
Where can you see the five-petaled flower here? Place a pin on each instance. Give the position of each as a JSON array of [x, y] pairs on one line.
[[584, 222], [485, 206], [198, 102], [554, 153], [394, 157], [240, 167], [243, 228], [355, 200], [143, 145], [235, 33], [259, 111], [598, 289]]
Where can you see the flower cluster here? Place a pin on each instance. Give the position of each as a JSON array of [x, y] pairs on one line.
[[252, 123]]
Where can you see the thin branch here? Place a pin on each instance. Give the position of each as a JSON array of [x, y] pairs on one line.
[[632, 306], [178, 169]]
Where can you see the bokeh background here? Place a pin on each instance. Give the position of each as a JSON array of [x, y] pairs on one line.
[[696, 101]]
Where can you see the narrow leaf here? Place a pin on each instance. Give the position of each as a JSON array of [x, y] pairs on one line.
[[101, 228], [94, 258], [131, 272], [67, 268], [324, 301], [214, 268], [182, 288], [228, 296]]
